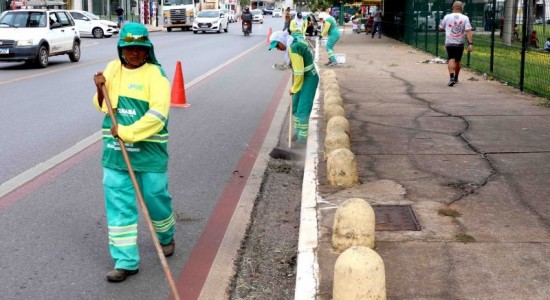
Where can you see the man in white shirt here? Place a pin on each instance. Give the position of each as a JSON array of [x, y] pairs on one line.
[[456, 26]]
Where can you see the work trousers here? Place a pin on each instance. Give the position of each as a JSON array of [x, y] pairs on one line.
[[302, 102], [122, 212], [333, 37]]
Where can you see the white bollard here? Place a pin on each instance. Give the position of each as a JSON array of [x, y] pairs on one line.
[[354, 224], [335, 140], [333, 110], [330, 93], [359, 274], [338, 123], [334, 99], [342, 168]]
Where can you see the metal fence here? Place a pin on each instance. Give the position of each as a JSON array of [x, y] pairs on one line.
[[503, 48]]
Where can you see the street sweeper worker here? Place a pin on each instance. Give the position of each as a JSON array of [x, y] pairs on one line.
[[330, 30], [305, 81], [140, 94], [298, 26]]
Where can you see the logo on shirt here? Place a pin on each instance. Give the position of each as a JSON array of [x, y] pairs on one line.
[[457, 28], [137, 87], [126, 111]]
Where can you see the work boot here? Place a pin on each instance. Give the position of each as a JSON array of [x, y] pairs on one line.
[[169, 248], [118, 275], [451, 82]]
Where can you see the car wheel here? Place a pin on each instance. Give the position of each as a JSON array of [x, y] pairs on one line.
[[42, 57], [169, 29], [194, 32], [97, 33], [226, 28], [75, 55]]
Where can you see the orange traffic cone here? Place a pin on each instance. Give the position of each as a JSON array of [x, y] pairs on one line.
[[269, 35], [178, 91]]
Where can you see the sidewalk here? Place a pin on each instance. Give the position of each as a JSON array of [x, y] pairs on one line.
[[471, 161]]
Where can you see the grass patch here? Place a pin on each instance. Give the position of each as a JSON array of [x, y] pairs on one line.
[[449, 212], [464, 238], [506, 59]]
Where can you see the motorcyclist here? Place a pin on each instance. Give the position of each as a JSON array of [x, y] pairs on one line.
[[247, 17]]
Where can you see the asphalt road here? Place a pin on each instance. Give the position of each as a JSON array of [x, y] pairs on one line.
[[52, 228]]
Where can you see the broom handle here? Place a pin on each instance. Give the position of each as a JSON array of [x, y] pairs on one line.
[[140, 200], [290, 125]]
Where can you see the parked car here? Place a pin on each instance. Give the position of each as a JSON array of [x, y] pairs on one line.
[[277, 13], [89, 24], [33, 35], [424, 20], [268, 10], [230, 14], [257, 16], [210, 20]]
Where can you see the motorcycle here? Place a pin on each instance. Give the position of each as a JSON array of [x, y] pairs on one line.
[[246, 28]]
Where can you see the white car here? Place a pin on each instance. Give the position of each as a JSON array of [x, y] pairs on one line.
[[257, 16], [89, 24], [230, 15], [277, 13], [210, 20], [33, 35]]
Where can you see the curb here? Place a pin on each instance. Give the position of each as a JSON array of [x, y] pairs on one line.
[[307, 271]]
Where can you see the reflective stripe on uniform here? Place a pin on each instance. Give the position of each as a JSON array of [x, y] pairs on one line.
[[122, 230], [164, 225], [123, 241], [157, 115], [155, 138]]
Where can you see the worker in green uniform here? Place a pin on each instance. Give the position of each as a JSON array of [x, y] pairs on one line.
[[305, 81], [330, 29], [140, 94], [298, 26]]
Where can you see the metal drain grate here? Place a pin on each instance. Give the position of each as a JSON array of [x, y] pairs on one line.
[[395, 218]]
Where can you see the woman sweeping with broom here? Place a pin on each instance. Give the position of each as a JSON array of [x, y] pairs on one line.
[[140, 97]]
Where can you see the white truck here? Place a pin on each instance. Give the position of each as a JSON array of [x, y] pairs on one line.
[[178, 14]]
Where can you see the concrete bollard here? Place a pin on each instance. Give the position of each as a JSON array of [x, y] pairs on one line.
[[329, 74], [332, 86], [335, 140], [342, 168], [359, 273], [338, 123], [333, 110], [330, 81], [354, 223], [334, 99], [332, 93]]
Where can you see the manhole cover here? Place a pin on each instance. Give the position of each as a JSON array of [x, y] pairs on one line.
[[395, 218]]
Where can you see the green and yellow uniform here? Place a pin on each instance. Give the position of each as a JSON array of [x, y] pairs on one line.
[[141, 101], [330, 29], [304, 87]]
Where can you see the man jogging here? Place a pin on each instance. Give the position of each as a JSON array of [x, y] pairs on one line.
[[140, 94], [456, 26], [305, 81]]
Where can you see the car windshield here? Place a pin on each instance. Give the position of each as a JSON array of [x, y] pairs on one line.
[[23, 19], [208, 14], [256, 12], [90, 15]]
